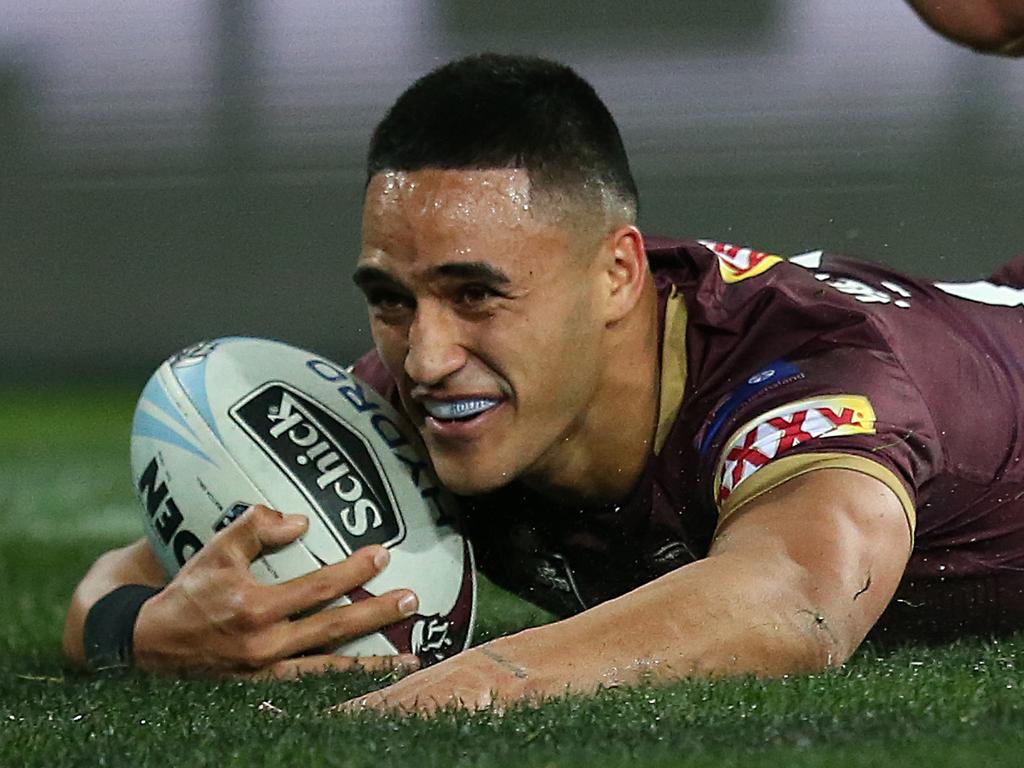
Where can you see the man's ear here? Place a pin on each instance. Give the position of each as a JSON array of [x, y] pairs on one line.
[[624, 263]]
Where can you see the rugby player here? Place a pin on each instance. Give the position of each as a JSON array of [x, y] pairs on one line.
[[708, 459]]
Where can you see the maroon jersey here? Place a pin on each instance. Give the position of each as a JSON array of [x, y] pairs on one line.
[[772, 368]]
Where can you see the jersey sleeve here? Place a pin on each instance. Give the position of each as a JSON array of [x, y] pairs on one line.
[[370, 369], [848, 408]]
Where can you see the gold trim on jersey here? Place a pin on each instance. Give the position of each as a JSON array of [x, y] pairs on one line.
[[737, 263], [786, 468], [673, 367]]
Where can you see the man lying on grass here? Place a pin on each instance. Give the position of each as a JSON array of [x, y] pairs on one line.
[[708, 459]]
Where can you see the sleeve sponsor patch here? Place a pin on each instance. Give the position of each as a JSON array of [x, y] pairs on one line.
[[772, 434], [736, 263], [772, 375]]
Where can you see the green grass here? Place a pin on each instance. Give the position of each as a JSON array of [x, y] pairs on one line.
[[65, 497]]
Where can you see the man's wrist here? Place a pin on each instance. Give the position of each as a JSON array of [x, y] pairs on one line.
[[110, 626]]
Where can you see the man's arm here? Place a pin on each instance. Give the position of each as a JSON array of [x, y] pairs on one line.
[[134, 564], [792, 584], [993, 26], [214, 618]]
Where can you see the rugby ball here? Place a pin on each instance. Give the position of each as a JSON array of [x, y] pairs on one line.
[[238, 421]]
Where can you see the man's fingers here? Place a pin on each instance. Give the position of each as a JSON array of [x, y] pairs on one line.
[[326, 584], [284, 638], [318, 665], [260, 615], [260, 528], [333, 626], [279, 601], [374, 700]]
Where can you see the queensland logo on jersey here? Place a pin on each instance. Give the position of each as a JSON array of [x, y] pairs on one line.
[[773, 433], [327, 461], [736, 263]]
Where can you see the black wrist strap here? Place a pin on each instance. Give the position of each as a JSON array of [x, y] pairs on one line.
[[110, 624]]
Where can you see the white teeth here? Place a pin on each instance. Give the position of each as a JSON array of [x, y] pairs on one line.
[[458, 409]]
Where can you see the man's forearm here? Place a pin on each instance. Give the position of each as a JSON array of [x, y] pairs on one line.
[[716, 617], [134, 564], [792, 584], [712, 618]]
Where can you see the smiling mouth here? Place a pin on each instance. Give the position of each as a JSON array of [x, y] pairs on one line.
[[458, 410]]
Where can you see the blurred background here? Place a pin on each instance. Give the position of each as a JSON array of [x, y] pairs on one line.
[[175, 171]]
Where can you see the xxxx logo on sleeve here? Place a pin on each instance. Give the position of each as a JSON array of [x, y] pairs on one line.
[[773, 433], [736, 263]]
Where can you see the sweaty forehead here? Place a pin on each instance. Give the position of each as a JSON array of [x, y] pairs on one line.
[[439, 208]]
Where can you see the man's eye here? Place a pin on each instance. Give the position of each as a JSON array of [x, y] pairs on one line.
[[388, 301], [474, 295]]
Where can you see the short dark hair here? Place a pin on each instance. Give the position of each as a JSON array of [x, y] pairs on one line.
[[502, 111]]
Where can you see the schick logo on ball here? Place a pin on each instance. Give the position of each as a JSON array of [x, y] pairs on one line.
[[330, 463]]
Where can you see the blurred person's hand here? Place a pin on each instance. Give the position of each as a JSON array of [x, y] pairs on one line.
[[991, 26]]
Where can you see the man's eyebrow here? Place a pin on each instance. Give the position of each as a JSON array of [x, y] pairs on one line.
[[366, 275], [471, 270]]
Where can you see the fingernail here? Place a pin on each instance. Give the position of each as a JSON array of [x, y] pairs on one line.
[[381, 559], [294, 520], [408, 604]]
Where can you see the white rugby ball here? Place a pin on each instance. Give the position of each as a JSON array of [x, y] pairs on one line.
[[237, 421]]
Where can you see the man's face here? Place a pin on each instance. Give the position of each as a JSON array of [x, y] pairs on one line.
[[488, 318]]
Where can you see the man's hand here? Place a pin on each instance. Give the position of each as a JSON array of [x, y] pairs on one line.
[[213, 618], [479, 678]]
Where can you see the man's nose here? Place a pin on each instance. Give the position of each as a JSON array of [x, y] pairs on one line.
[[434, 351]]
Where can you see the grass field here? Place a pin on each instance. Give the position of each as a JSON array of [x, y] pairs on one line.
[[65, 497]]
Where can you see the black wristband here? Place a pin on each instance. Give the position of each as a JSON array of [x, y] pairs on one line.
[[110, 624]]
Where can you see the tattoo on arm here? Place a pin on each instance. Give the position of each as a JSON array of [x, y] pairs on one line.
[[501, 661]]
